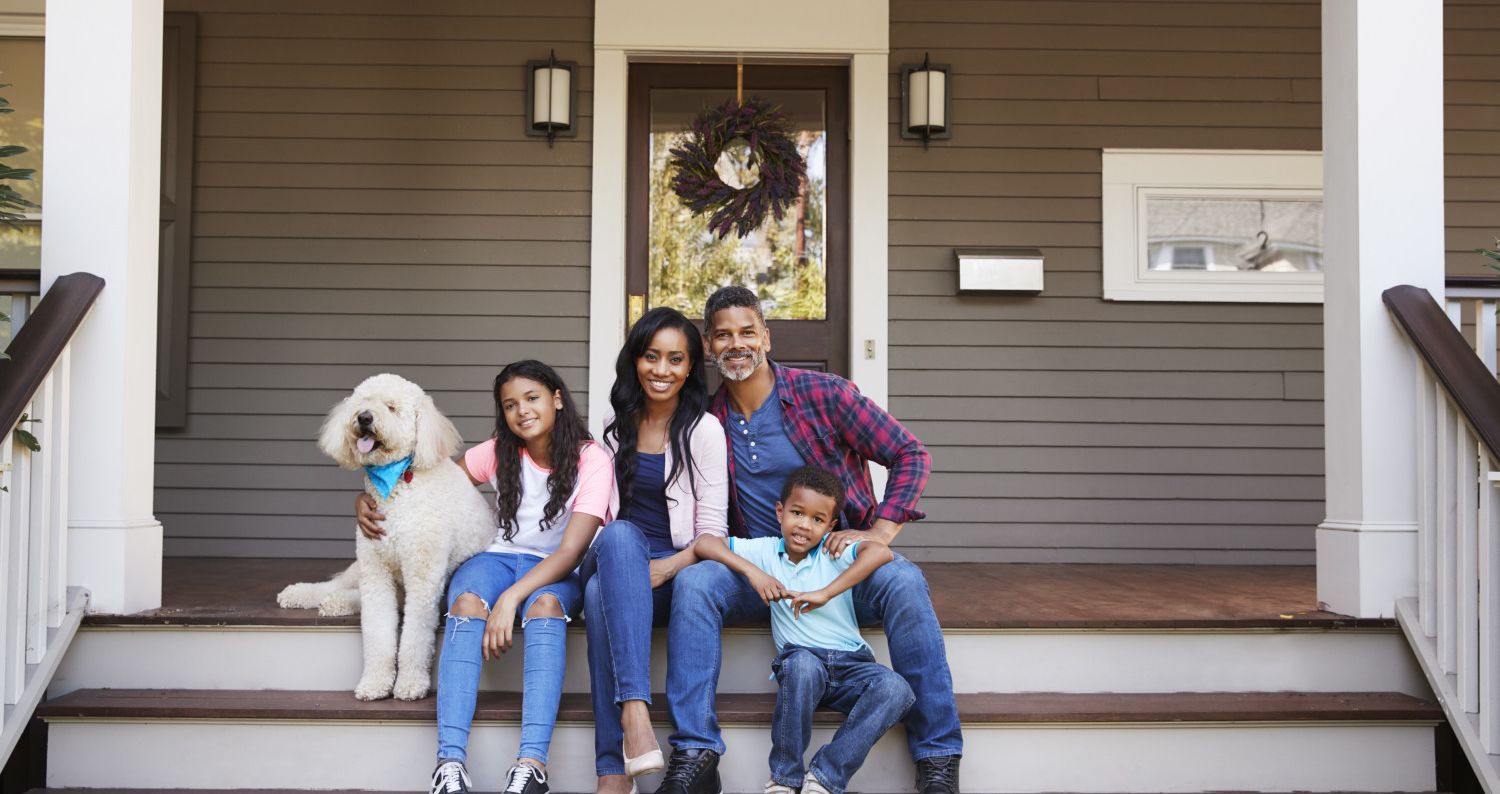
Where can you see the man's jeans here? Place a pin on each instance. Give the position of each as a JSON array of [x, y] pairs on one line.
[[621, 607], [708, 596], [873, 696]]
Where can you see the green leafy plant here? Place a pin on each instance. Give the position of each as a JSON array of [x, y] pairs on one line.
[[25, 437], [13, 205], [1493, 256]]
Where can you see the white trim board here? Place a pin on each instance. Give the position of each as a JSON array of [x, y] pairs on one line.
[[855, 31]]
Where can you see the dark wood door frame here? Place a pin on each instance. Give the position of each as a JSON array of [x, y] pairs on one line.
[[834, 81]]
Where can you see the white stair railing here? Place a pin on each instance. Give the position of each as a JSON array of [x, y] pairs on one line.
[[1453, 624], [39, 611]]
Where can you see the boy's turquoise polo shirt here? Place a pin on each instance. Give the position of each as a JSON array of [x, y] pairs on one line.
[[832, 626]]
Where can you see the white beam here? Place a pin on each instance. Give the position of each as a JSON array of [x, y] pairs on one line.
[[1383, 226], [101, 212]]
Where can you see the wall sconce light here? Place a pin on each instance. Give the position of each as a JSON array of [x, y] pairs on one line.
[[924, 101], [550, 91]]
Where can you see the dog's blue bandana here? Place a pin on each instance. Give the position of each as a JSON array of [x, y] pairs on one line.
[[384, 477]]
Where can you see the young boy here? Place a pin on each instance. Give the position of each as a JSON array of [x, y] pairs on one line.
[[822, 659]]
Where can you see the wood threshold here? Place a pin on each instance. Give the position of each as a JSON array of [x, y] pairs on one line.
[[242, 592]]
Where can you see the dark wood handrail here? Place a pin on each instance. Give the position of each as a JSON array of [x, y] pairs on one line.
[[41, 340], [1472, 282], [1473, 388]]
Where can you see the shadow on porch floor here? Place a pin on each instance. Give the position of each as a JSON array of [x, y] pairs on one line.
[[214, 591]]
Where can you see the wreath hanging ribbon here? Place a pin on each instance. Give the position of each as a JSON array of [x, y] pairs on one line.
[[762, 174]]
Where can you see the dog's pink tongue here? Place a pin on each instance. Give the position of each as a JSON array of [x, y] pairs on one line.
[[365, 444]]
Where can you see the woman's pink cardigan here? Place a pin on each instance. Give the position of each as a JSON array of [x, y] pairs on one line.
[[709, 513]]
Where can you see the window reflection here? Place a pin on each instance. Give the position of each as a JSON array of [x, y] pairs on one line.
[[1265, 235]]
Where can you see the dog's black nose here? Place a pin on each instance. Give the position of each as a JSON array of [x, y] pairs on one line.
[[366, 419]]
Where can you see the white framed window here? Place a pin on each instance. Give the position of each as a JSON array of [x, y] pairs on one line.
[[1239, 226]]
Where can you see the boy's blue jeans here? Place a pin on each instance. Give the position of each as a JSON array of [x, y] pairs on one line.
[[874, 697], [487, 575], [621, 607], [707, 596]]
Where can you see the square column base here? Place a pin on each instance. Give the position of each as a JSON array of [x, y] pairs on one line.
[[119, 564], [1364, 567]]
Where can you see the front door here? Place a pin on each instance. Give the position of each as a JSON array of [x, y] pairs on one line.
[[799, 266]]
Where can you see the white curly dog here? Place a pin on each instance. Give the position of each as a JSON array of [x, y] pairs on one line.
[[435, 519]]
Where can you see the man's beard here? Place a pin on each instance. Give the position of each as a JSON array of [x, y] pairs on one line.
[[756, 358]]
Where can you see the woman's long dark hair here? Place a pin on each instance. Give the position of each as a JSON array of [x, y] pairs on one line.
[[568, 437], [628, 400]]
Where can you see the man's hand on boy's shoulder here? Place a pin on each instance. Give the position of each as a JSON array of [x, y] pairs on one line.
[[837, 542]]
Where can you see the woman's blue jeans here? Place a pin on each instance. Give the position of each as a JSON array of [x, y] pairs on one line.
[[621, 607], [874, 697], [487, 575]]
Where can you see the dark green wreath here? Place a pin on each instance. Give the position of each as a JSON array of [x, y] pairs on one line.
[[700, 189]]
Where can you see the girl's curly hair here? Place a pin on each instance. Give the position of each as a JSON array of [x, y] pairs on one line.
[[568, 436]]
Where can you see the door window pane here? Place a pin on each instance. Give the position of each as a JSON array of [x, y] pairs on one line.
[[783, 261], [21, 66]]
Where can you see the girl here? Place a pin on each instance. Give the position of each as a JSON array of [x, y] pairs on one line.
[[671, 470], [552, 486]]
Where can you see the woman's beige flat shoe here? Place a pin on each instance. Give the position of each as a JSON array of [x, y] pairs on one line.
[[645, 764]]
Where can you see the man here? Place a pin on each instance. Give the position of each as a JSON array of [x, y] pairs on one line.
[[778, 419]]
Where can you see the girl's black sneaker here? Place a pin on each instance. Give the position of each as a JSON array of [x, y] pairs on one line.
[[450, 777], [525, 779]]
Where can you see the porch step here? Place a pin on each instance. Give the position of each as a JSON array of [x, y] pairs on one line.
[[1227, 658], [1288, 741]]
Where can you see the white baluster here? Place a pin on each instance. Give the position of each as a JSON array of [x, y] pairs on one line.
[[1467, 579], [17, 577], [1484, 333], [1429, 396], [1455, 311], [20, 309], [12, 658], [1489, 607], [1447, 624], [57, 501], [38, 593]]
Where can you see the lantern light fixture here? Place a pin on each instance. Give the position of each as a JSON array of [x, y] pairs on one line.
[[551, 89], [925, 101]]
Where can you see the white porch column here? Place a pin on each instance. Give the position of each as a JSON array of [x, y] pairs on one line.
[[1383, 226], [102, 160]]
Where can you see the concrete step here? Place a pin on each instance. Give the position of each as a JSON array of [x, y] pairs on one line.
[[1178, 742], [1229, 658]]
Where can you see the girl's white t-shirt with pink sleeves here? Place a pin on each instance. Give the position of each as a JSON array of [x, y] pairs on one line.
[[596, 477]]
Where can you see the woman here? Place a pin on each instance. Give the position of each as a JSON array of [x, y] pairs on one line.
[[552, 489], [671, 477]]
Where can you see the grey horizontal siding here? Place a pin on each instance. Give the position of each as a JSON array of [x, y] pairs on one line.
[[1472, 140], [365, 201], [1067, 428], [1063, 427]]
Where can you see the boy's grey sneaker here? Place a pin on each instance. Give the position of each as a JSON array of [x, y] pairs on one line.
[[938, 775], [525, 779], [772, 787], [450, 777], [692, 772], [810, 785]]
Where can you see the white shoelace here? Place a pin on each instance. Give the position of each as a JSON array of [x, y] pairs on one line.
[[450, 778], [520, 775]]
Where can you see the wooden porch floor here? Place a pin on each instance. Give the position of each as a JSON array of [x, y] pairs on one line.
[[213, 591]]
